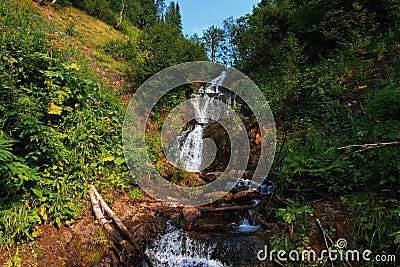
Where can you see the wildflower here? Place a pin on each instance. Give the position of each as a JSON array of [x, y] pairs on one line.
[[33, 17]]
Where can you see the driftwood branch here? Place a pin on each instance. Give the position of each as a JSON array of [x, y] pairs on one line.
[[99, 205], [279, 263], [325, 235], [365, 147]]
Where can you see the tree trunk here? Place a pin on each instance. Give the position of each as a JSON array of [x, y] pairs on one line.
[[213, 47], [120, 13]]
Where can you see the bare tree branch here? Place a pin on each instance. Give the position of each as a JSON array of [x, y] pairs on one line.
[[365, 147]]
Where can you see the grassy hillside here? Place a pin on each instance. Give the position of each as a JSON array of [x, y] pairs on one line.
[[60, 122], [95, 39]]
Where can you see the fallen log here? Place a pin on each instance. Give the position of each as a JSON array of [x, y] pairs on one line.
[[103, 221], [227, 208], [99, 205], [114, 217]]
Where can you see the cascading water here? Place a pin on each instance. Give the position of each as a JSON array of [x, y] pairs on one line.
[[236, 246], [229, 244], [177, 248], [192, 148], [190, 143], [249, 223]]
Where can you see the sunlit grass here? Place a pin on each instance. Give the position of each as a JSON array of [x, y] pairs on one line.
[[90, 35]]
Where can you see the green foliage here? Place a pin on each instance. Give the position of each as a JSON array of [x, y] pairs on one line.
[[59, 128], [294, 215], [99, 9], [214, 42], [313, 163], [173, 15], [297, 224], [376, 221], [119, 49], [162, 46], [385, 103]]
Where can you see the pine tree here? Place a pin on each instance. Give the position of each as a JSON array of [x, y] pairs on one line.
[[173, 15], [214, 40], [160, 9], [178, 16]]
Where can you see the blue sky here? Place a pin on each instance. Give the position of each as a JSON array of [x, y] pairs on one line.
[[198, 15]]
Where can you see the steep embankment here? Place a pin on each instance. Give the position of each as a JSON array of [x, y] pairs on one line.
[[95, 39]]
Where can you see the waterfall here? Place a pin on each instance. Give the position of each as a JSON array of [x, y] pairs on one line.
[[192, 149], [177, 248], [190, 143], [249, 224]]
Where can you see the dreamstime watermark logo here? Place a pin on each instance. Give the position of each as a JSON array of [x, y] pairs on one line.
[[336, 253], [154, 89]]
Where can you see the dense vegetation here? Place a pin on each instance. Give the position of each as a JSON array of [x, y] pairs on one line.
[[329, 68], [60, 122], [60, 128]]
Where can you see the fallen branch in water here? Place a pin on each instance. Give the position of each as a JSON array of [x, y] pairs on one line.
[[365, 147], [99, 205]]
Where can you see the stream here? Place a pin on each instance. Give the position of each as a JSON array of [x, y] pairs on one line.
[[230, 239], [227, 239]]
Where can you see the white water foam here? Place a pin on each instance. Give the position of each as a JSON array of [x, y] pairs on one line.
[[190, 143], [177, 248]]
